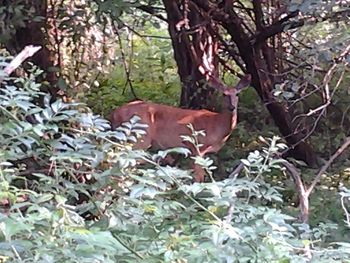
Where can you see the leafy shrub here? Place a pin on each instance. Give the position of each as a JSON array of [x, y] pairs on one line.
[[73, 191]]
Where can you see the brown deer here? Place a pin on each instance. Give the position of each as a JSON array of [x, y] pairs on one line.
[[166, 123]]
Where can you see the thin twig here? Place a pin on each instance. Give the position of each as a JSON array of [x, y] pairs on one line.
[[230, 212], [345, 211], [125, 64], [328, 95]]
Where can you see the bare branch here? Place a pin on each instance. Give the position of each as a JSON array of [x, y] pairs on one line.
[[125, 64], [328, 95], [327, 164], [153, 11], [301, 189], [347, 214], [27, 52]]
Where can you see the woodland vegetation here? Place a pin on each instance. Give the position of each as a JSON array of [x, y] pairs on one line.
[[74, 190]]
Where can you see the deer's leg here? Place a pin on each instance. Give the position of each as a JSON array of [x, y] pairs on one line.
[[199, 173], [169, 160], [220, 173], [143, 143]]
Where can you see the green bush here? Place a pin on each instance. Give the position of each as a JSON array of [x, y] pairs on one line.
[[72, 191]]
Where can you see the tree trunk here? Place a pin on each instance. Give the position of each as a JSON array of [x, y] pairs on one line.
[[35, 33], [258, 59], [193, 45]]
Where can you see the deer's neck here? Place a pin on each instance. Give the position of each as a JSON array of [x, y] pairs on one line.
[[231, 109]]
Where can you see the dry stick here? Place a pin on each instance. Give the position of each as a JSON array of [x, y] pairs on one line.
[[27, 52]]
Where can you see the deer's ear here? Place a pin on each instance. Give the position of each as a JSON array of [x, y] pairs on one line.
[[244, 82]]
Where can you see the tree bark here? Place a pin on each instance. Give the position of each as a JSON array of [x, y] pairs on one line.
[[193, 44], [35, 33], [259, 61]]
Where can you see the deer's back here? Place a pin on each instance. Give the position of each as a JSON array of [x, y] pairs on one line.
[[167, 123]]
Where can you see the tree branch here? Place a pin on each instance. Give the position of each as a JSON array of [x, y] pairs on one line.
[[284, 24], [327, 164], [302, 192], [152, 11], [27, 52]]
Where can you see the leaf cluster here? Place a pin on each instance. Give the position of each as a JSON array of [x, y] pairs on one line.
[[72, 190]]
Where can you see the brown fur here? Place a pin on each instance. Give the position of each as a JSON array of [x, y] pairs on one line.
[[166, 124]]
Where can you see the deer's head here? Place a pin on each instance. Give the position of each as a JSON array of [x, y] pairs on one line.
[[231, 94]]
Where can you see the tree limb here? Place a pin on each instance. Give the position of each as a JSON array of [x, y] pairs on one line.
[[301, 189], [27, 52], [152, 11], [284, 24], [327, 164]]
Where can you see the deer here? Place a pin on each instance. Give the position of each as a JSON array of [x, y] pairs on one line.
[[166, 124]]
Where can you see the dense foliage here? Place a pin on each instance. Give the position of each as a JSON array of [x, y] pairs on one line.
[[92, 202], [72, 190]]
